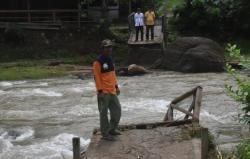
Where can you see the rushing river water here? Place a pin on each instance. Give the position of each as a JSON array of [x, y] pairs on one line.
[[40, 117]]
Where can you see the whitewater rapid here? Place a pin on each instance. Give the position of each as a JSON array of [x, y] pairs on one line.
[[39, 118]]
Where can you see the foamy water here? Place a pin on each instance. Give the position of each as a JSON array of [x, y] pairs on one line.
[[58, 147], [40, 117], [5, 84]]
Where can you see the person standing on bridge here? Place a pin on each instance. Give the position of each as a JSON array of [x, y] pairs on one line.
[[150, 23], [139, 24], [107, 92]]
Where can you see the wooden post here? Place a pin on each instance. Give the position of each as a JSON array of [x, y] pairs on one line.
[[76, 148], [129, 7], [54, 16], [165, 30], [191, 107], [197, 103], [162, 23], [204, 143], [164, 27], [28, 7], [170, 113], [79, 14]]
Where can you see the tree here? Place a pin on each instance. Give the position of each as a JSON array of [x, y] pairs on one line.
[[223, 18]]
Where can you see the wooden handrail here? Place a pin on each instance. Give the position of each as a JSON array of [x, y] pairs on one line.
[[195, 106], [131, 22], [184, 96]]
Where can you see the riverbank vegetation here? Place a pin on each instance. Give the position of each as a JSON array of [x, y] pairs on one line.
[[240, 92], [44, 68]]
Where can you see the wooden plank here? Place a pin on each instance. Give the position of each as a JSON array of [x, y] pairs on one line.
[[158, 37], [184, 96], [170, 114], [204, 143], [191, 107], [180, 98], [150, 125], [166, 116], [181, 110], [155, 124], [197, 103], [76, 148]]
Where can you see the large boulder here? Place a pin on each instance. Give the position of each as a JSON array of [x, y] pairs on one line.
[[132, 70], [194, 54]]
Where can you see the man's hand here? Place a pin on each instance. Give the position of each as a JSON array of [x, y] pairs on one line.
[[100, 93], [118, 91]]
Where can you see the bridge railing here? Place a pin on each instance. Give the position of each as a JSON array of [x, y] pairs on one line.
[[131, 22], [163, 23], [194, 106]]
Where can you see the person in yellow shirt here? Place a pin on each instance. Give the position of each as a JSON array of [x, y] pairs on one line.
[[150, 23]]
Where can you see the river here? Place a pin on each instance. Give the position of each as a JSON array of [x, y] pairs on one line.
[[40, 117]]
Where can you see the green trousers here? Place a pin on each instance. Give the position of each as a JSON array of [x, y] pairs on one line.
[[109, 102]]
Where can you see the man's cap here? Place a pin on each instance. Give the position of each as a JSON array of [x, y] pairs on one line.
[[107, 43]]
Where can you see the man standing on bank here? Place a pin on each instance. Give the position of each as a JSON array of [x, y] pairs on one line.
[[139, 24], [107, 92], [150, 23]]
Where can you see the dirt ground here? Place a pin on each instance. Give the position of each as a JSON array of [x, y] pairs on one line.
[[157, 143]]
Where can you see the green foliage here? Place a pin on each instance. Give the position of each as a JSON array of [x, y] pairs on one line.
[[240, 92], [243, 150], [13, 35], [233, 52], [34, 72], [219, 18]]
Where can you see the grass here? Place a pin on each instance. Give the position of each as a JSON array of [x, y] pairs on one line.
[[37, 69], [31, 72], [243, 150]]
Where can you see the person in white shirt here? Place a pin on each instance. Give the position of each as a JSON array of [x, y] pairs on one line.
[[139, 23]]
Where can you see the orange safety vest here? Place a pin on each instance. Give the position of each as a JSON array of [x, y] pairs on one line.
[[105, 77]]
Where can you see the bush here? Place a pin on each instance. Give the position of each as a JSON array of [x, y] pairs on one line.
[[13, 35], [220, 18], [241, 92], [243, 150]]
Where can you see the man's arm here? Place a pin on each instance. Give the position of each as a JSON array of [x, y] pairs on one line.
[[116, 84], [97, 76]]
